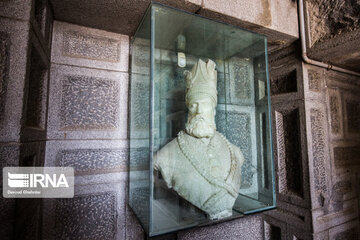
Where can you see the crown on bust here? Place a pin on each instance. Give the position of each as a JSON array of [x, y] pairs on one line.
[[201, 82]]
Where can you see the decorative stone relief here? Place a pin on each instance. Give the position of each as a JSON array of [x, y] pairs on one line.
[[285, 83], [318, 150], [92, 216], [93, 160], [240, 135], [79, 44], [141, 55], [140, 105], [4, 70], [241, 77], [89, 103], [314, 80], [335, 112]]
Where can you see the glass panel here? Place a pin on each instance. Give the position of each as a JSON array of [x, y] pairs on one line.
[[205, 87], [139, 185]]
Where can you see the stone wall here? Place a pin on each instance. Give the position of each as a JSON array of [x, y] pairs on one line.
[[87, 130], [64, 102]]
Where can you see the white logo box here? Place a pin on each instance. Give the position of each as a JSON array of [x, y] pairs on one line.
[[38, 182]]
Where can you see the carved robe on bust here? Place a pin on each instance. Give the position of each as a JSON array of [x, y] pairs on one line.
[[201, 165]]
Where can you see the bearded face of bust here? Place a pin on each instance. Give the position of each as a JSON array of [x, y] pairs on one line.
[[201, 118]]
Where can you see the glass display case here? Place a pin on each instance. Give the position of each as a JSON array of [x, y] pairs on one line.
[[200, 127]]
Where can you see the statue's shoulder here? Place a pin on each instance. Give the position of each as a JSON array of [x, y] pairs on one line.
[[167, 154], [170, 146]]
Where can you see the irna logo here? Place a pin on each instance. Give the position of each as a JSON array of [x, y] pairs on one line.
[[21, 180]]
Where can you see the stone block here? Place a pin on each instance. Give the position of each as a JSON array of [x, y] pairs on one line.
[[88, 157], [334, 214], [87, 104], [97, 210], [274, 229], [17, 9], [290, 152], [82, 46], [294, 216], [351, 116], [318, 148], [36, 93], [253, 14], [249, 227], [335, 113], [344, 156], [346, 231], [14, 37], [42, 23], [314, 82]]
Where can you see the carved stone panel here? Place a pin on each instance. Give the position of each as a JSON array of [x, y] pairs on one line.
[[140, 106], [241, 81], [336, 116], [87, 104], [318, 153], [238, 127], [94, 160], [88, 157], [82, 46], [319, 158], [315, 80]]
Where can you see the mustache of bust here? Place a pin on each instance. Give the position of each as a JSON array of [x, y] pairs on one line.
[[200, 127]]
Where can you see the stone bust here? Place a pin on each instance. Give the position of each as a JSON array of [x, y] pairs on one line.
[[201, 165]]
